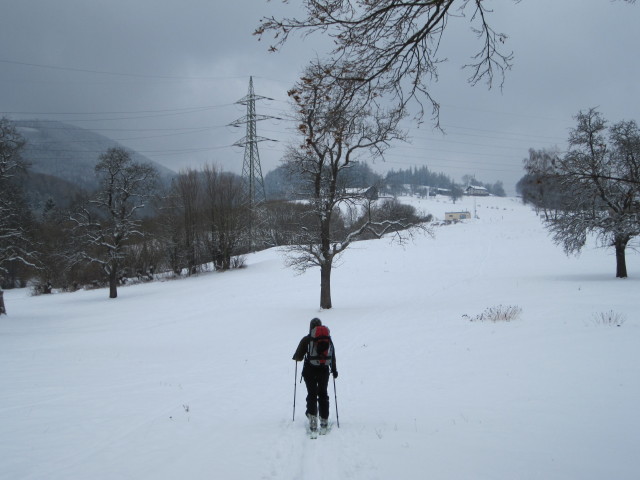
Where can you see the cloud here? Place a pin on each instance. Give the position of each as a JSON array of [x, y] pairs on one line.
[[172, 71]]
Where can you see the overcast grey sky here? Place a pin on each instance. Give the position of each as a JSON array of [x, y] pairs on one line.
[[162, 76]]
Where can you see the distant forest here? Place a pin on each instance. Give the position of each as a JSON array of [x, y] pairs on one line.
[[280, 185]]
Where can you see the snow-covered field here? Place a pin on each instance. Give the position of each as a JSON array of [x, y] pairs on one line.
[[194, 379]]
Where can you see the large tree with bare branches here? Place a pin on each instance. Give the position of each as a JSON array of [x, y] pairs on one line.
[[338, 123], [111, 219], [394, 45], [599, 178], [16, 244]]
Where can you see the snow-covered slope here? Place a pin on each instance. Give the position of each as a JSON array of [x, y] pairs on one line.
[[194, 379]]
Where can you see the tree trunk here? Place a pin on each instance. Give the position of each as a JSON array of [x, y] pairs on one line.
[[3, 310], [325, 285], [621, 262], [113, 283]]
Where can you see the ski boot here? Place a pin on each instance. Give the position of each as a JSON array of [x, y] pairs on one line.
[[324, 426], [313, 425]]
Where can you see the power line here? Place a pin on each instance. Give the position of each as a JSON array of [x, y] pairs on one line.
[[134, 112], [118, 74], [501, 132]]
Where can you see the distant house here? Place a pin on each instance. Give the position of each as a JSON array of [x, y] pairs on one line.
[[370, 193], [456, 216], [476, 191]]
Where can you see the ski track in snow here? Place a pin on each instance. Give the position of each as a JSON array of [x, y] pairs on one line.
[[295, 456]]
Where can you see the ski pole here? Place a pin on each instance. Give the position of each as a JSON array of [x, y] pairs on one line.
[[295, 377], [335, 397]]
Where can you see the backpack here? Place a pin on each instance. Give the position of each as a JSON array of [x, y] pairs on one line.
[[320, 350]]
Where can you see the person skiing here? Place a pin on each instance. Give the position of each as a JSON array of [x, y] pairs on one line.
[[318, 353]]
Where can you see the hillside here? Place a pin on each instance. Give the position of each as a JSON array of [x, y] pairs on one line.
[[69, 152], [194, 379], [40, 187]]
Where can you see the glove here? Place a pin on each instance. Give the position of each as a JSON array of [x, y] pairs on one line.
[[335, 374]]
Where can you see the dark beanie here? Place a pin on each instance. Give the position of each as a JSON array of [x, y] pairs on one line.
[[314, 323]]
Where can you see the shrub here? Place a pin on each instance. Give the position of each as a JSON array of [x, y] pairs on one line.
[[501, 313], [239, 261], [41, 288], [610, 318]]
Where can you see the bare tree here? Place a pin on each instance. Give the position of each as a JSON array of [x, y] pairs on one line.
[[456, 193], [226, 217], [395, 45], [283, 221], [188, 190], [111, 219], [11, 143], [599, 178], [540, 186], [16, 244], [338, 122], [170, 232]]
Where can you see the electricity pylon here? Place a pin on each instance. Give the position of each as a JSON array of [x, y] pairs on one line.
[[253, 183]]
